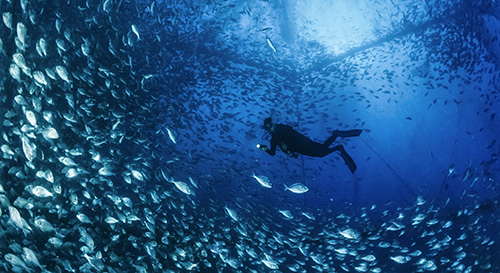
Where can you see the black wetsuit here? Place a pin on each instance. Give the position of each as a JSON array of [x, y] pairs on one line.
[[292, 142]]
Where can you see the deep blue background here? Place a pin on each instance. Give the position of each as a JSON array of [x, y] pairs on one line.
[[178, 91]]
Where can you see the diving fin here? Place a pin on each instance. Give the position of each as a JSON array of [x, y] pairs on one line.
[[348, 159], [349, 133]]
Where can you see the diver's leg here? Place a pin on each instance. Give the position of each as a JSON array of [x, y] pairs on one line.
[[348, 133], [337, 133], [327, 151], [330, 140]]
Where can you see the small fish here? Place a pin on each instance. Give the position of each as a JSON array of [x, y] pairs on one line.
[[15, 261], [41, 47], [44, 225], [30, 116], [7, 19], [297, 188], [105, 171], [72, 172], [182, 186], [56, 242], [40, 191], [40, 77], [171, 136], [49, 176], [15, 72], [287, 214], [111, 220], [19, 60], [105, 6], [309, 215], [63, 73], [136, 32], [451, 169], [83, 218], [231, 213], [400, 259], [50, 133], [271, 44], [27, 149], [15, 217], [350, 234], [137, 175], [21, 32], [30, 257], [369, 258], [270, 264], [18, 221], [193, 182], [263, 180], [85, 49], [61, 45], [67, 161]]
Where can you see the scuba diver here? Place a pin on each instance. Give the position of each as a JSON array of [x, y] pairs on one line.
[[292, 143]]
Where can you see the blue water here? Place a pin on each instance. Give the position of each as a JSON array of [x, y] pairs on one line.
[[159, 105]]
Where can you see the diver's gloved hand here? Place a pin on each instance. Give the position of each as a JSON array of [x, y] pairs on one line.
[[262, 147]]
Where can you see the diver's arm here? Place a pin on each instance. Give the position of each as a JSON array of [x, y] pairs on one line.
[[271, 151]]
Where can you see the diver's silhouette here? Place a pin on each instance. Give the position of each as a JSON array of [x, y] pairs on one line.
[[293, 142]]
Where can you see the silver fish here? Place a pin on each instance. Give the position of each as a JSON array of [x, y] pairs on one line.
[[28, 150], [40, 78], [21, 32], [136, 32], [40, 191], [44, 225], [297, 188], [50, 133], [15, 261], [7, 19], [29, 256], [30, 116], [63, 73], [171, 136], [41, 47], [263, 181], [271, 45], [15, 72]]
